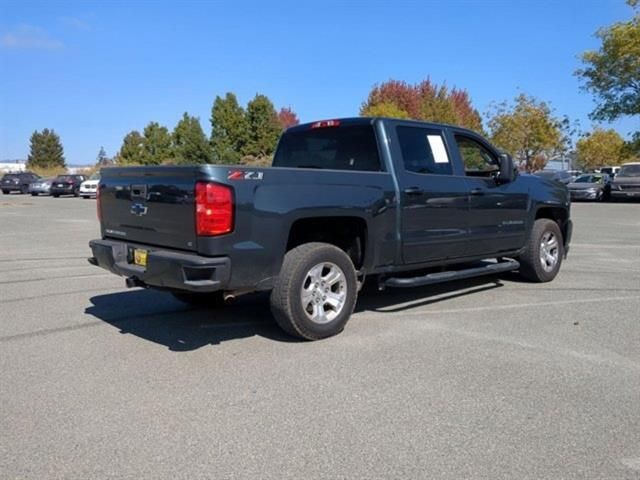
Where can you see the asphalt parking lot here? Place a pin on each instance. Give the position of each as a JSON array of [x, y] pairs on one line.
[[491, 379]]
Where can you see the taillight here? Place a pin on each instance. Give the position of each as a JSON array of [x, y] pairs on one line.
[[214, 209], [326, 123]]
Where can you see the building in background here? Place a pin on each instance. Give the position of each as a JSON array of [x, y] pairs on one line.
[[7, 166]]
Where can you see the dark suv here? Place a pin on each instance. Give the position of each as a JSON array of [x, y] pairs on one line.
[[17, 182], [66, 185]]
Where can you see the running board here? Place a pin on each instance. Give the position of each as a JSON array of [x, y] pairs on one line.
[[439, 277]]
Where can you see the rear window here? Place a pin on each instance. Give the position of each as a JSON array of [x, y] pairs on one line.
[[350, 147]]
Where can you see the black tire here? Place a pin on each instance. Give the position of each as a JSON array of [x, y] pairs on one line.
[[55, 195], [287, 304], [24, 189], [531, 264], [210, 299], [33, 194], [6, 192]]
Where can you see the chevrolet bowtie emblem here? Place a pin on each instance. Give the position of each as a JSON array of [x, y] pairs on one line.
[[138, 209]]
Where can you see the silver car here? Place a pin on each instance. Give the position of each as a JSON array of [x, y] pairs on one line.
[[590, 186], [41, 186]]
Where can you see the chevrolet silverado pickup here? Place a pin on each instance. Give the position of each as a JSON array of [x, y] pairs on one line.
[[403, 203]]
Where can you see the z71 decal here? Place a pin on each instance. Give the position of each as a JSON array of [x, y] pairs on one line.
[[244, 175]]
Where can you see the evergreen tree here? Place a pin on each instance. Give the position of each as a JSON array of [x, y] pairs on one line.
[[190, 143], [158, 148], [228, 129], [102, 158], [46, 150], [132, 151], [263, 127]]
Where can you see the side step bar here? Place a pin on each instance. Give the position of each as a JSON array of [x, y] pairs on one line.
[[439, 277]]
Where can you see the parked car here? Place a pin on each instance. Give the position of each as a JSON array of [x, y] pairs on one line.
[[17, 182], [89, 187], [626, 184], [67, 185], [344, 199], [42, 186], [591, 186], [562, 176]]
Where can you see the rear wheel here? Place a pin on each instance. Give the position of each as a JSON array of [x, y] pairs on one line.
[[210, 299], [33, 194], [55, 195], [315, 292], [543, 253], [6, 192]]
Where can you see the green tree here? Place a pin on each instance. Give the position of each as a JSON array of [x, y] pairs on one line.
[[600, 147], [383, 109], [529, 131], [189, 142], [264, 129], [158, 148], [45, 150], [132, 151], [228, 129], [102, 158], [612, 73]]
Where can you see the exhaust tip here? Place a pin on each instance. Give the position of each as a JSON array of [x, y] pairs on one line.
[[132, 282]]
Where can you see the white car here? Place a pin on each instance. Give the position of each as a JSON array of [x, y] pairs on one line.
[[88, 188]]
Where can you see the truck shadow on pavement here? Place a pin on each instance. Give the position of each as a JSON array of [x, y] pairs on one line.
[[157, 317]]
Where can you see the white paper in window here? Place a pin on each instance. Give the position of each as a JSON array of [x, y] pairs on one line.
[[437, 148]]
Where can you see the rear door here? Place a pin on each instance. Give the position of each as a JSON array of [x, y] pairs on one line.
[[497, 212], [433, 200], [153, 206]]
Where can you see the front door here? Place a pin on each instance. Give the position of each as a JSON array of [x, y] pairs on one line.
[[433, 200], [497, 212]]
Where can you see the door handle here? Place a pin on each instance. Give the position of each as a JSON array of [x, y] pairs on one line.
[[477, 191], [413, 191]]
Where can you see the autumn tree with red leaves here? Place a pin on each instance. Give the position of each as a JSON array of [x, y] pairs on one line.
[[287, 117], [423, 101]]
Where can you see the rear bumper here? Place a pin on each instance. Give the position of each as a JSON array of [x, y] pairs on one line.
[[166, 269], [62, 191]]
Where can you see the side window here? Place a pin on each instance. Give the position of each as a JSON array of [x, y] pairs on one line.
[[478, 161], [423, 150]]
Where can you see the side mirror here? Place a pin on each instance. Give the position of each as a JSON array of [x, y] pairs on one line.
[[507, 171]]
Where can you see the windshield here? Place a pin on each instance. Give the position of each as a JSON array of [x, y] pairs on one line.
[[65, 178], [589, 179], [95, 176], [629, 171], [350, 147]]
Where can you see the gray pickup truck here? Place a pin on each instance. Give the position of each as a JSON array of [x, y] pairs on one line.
[[404, 203]]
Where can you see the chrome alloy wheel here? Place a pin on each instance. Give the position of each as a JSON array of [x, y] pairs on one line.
[[549, 251], [324, 292]]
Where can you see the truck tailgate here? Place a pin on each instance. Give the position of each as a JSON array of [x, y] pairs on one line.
[[150, 205]]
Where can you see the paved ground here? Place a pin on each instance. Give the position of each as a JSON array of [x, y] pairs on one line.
[[488, 379]]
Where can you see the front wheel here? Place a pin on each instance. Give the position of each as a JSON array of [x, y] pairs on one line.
[[6, 192], [315, 292], [543, 253]]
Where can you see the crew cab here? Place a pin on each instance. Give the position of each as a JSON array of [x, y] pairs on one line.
[[403, 203]]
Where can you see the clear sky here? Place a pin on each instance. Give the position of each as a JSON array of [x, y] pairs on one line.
[[95, 70]]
